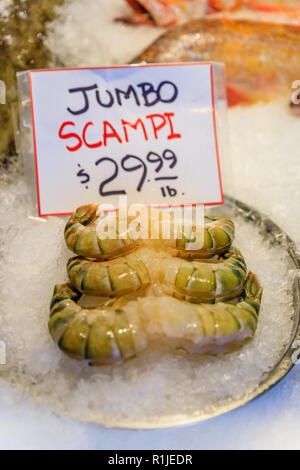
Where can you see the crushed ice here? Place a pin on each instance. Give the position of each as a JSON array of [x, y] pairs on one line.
[[33, 258]]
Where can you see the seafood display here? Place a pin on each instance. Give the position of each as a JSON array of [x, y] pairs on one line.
[[262, 60], [161, 331], [205, 302]]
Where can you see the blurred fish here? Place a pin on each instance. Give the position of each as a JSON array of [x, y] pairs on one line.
[[278, 11], [163, 13], [166, 13], [262, 60], [269, 6]]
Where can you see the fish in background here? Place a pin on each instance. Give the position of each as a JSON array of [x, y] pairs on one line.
[[169, 13], [288, 7], [163, 13], [262, 60]]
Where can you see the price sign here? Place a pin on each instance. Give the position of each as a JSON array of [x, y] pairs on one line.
[[147, 132]]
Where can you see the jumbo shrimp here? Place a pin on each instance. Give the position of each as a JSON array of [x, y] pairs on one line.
[[82, 237], [112, 334]]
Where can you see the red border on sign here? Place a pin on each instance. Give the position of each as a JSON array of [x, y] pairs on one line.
[[122, 67]]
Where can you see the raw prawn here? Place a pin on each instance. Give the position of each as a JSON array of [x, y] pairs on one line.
[[221, 278], [112, 334], [82, 238], [206, 281]]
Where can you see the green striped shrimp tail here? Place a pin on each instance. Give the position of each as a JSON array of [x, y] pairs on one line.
[[99, 336], [204, 281], [253, 292], [108, 278], [218, 237], [81, 236], [63, 292]]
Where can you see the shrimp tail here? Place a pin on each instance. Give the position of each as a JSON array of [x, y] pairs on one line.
[[61, 293], [116, 333], [253, 292], [81, 236], [98, 336]]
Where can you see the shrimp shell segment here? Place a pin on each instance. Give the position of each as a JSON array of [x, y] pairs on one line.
[[218, 237], [108, 278], [81, 236]]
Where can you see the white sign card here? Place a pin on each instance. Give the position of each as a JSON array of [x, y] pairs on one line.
[[147, 132]]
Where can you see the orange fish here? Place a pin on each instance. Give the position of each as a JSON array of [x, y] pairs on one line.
[[262, 60], [289, 7], [166, 13], [163, 13]]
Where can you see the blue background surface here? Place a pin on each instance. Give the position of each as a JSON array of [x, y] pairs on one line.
[[270, 422]]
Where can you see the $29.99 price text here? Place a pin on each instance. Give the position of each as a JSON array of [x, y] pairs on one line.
[[163, 166]]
